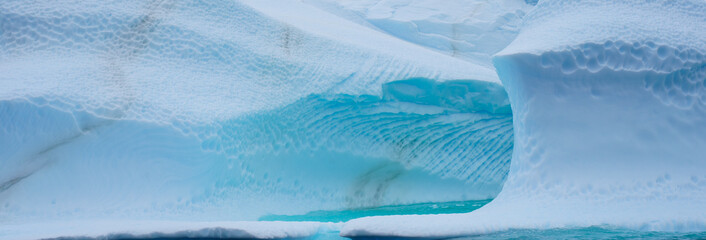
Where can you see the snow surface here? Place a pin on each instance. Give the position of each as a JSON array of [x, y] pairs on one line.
[[118, 116], [138, 60], [608, 110], [470, 29]]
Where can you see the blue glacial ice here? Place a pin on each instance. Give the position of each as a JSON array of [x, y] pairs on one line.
[[158, 119]]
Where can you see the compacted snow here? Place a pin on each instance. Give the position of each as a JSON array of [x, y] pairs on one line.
[[191, 119], [608, 110], [167, 114]]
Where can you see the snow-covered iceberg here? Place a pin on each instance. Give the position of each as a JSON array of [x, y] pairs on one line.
[[135, 113], [185, 119], [608, 110]]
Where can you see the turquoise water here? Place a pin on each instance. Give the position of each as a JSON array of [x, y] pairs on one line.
[[348, 214], [603, 232], [563, 233], [596, 232]]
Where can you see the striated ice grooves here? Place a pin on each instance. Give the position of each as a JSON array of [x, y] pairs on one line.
[[449, 132], [419, 141]]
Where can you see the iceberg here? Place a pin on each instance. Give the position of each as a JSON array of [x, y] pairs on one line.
[[608, 109], [191, 119]]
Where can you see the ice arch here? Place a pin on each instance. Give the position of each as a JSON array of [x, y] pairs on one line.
[[165, 110], [406, 146]]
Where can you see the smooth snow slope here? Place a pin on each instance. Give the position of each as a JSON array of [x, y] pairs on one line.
[[473, 30], [191, 111], [609, 110], [145, 56]]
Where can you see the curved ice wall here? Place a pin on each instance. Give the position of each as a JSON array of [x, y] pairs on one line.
[[609, 110], [227, 110]]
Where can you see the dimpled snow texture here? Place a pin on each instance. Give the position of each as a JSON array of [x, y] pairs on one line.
[[608, 114]]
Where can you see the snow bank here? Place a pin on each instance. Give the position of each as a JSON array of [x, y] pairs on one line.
[[608, 108]]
